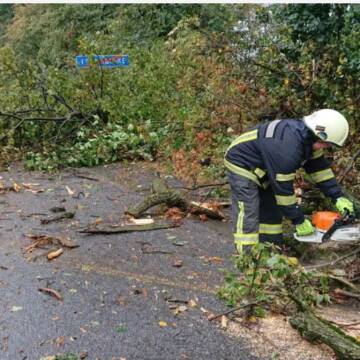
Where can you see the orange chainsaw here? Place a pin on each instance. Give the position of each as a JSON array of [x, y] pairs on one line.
[[331, 225]]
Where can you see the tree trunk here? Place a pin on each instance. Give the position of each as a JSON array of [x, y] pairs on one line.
[[162, 194], [170, 197], [316, 329]]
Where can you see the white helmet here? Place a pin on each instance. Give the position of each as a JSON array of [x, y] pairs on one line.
[[328, 125]]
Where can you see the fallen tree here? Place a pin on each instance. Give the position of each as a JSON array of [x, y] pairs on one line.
[[316, 329], [162, 194]]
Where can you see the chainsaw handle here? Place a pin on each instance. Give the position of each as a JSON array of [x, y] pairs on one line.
[[346, 218], [333, 228]]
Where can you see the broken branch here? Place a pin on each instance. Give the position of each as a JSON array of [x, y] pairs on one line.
[[204, 186], [348, 167], [347, 293], [65, 215], [332, 263], [214, 317], [129, 228]]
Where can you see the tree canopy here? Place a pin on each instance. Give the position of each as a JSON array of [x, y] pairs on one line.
[[197, 74]]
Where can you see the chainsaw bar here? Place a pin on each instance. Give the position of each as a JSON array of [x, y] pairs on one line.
[[343, 234]]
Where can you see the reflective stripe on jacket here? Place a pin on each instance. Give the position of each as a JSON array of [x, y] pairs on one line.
[[271, 153]]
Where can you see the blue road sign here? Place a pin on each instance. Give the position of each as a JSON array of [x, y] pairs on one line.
[[105, 61]]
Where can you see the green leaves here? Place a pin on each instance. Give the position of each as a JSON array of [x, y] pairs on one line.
[[193, 68], [267, 276], [111, 144]]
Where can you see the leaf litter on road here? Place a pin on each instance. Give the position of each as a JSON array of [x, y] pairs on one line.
[[43, 241]]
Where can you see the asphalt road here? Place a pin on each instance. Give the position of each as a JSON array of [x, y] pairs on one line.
[[115, 296]]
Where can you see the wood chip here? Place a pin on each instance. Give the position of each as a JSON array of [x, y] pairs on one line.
[[5, 346], [66, 242], [224, 322], [141, 221], [54, 254], [192, 303], [16, 187], [70, 192], [177, 263]]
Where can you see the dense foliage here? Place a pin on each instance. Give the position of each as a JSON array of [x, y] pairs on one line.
[[267, 278], [198, 74]]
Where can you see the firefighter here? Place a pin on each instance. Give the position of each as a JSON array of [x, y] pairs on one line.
[[261, 166]]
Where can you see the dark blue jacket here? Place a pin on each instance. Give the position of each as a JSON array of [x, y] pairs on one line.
[[273, 152]]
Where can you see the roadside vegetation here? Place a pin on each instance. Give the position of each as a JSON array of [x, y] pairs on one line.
[[198, 75]]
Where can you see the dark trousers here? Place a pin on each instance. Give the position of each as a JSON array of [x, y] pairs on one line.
[[255, 213]]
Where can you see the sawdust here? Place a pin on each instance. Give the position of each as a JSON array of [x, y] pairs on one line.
[[345, 316], [274, 338]]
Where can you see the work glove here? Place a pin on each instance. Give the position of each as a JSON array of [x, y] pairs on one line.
[[305, 228], [343, 203]]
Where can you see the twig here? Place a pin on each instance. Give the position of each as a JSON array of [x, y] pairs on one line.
[[343, 281], [18, 124], [60, 99], [52, 292], [177, 301], [86, 177], [69, 117], [32, 110], [34, 214], [254, 273], [213, 317], [347, 293], [66, 215], [332, 263], [32, 119], [203, 186], [349, 166], [146, 249]]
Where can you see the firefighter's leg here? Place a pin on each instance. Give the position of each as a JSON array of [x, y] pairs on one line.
[[245, 211], [270, 227]]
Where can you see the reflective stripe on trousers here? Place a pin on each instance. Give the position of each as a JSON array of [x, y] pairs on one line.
[[256, 215], [245, 209], [271, 229]]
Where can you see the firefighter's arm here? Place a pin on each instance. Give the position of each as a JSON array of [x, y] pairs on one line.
[[318, 168], [319, 171]]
